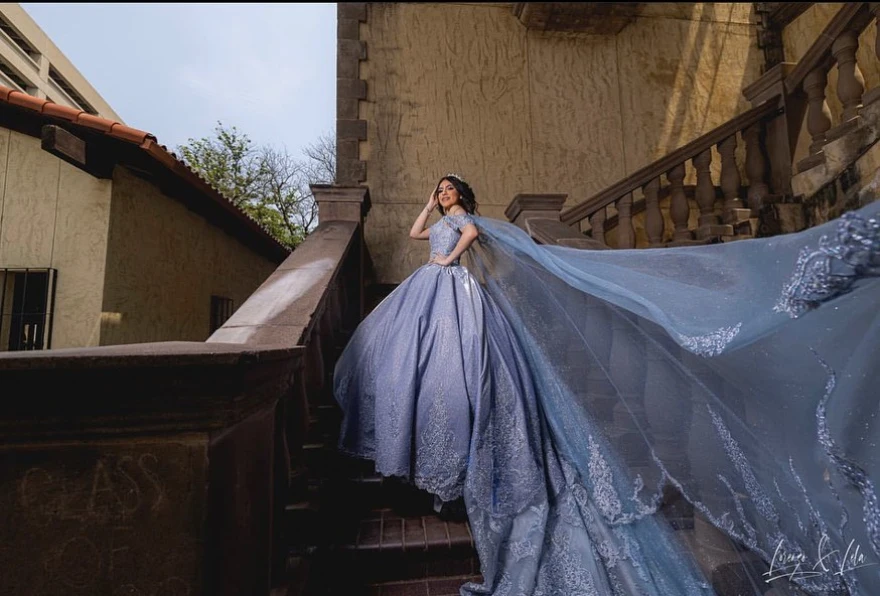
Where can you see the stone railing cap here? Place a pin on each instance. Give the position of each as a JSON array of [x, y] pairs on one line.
[[534, 202]]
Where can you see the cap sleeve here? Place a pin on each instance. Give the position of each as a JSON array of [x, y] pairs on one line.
[[460, 221]]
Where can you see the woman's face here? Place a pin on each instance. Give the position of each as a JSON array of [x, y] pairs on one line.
[[447, 195]]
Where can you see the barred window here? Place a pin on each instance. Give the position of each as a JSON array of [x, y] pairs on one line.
[[221, 310], [27, 299]]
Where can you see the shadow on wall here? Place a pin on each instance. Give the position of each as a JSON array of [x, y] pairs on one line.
[[706, 47]]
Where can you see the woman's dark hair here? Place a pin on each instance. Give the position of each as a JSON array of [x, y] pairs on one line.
[[468, 199]]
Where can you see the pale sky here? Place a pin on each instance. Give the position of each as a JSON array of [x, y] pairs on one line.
[[176, 69]]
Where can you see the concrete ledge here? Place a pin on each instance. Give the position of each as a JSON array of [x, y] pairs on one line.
[[177, 387], [152, 466], [282, 310]]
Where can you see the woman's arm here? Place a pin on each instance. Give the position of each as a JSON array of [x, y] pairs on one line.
[[418, 230]]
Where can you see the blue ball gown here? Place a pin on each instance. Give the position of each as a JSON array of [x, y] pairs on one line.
[[561, 391]]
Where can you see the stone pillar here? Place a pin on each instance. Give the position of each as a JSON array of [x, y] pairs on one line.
[[345, 203], [350, 91], [341, 203]]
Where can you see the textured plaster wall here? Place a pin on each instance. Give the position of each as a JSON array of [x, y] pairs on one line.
[[797, 38], [164, 263], [54, 215], [467, 88]]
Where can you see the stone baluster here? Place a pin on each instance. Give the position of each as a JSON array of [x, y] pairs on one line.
[[730, 181], [705, 188], [679, 209], [654, 224], [626, 235], [597, 221], [710, 227], [756, 167], [818, 114], [850, 82]]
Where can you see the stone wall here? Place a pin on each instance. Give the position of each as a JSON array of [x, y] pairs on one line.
[[164, 263], [467, 88]]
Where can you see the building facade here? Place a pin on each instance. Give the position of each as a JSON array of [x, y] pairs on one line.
[[106, 238], [31, 63]]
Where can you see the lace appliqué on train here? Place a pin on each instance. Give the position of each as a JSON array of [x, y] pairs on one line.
[[710, 344], [833, 266]]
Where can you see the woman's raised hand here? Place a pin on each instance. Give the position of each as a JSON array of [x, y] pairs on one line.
[[432, 202]]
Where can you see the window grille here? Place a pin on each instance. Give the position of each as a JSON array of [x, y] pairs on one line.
[[27, 302], [221, 310]]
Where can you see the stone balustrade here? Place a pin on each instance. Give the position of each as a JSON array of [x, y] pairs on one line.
[[722, 214], [787, 97]]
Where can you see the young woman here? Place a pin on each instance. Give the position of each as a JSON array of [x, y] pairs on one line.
[[563, 391]]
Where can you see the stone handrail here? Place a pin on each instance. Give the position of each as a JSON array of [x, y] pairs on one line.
[[750, 124], [163, 467], [852, 16]]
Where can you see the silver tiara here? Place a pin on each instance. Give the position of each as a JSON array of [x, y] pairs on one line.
[[454, 175]]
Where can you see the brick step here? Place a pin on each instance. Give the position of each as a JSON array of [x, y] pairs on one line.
[[335, 503], [382, 547], [429, 587]]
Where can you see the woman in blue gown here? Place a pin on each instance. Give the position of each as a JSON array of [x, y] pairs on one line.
[[561, 392]]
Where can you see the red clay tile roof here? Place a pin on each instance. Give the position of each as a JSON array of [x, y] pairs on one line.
[[145, 140]]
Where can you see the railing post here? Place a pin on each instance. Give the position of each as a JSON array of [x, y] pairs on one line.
[[538, 215], [345, 203], [524, 207]]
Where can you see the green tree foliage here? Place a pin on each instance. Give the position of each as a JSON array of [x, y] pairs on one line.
[[266, 182]]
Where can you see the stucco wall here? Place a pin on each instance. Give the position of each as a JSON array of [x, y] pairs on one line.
[[54, 215], [797, 38], [164, 263], [469, 89]]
